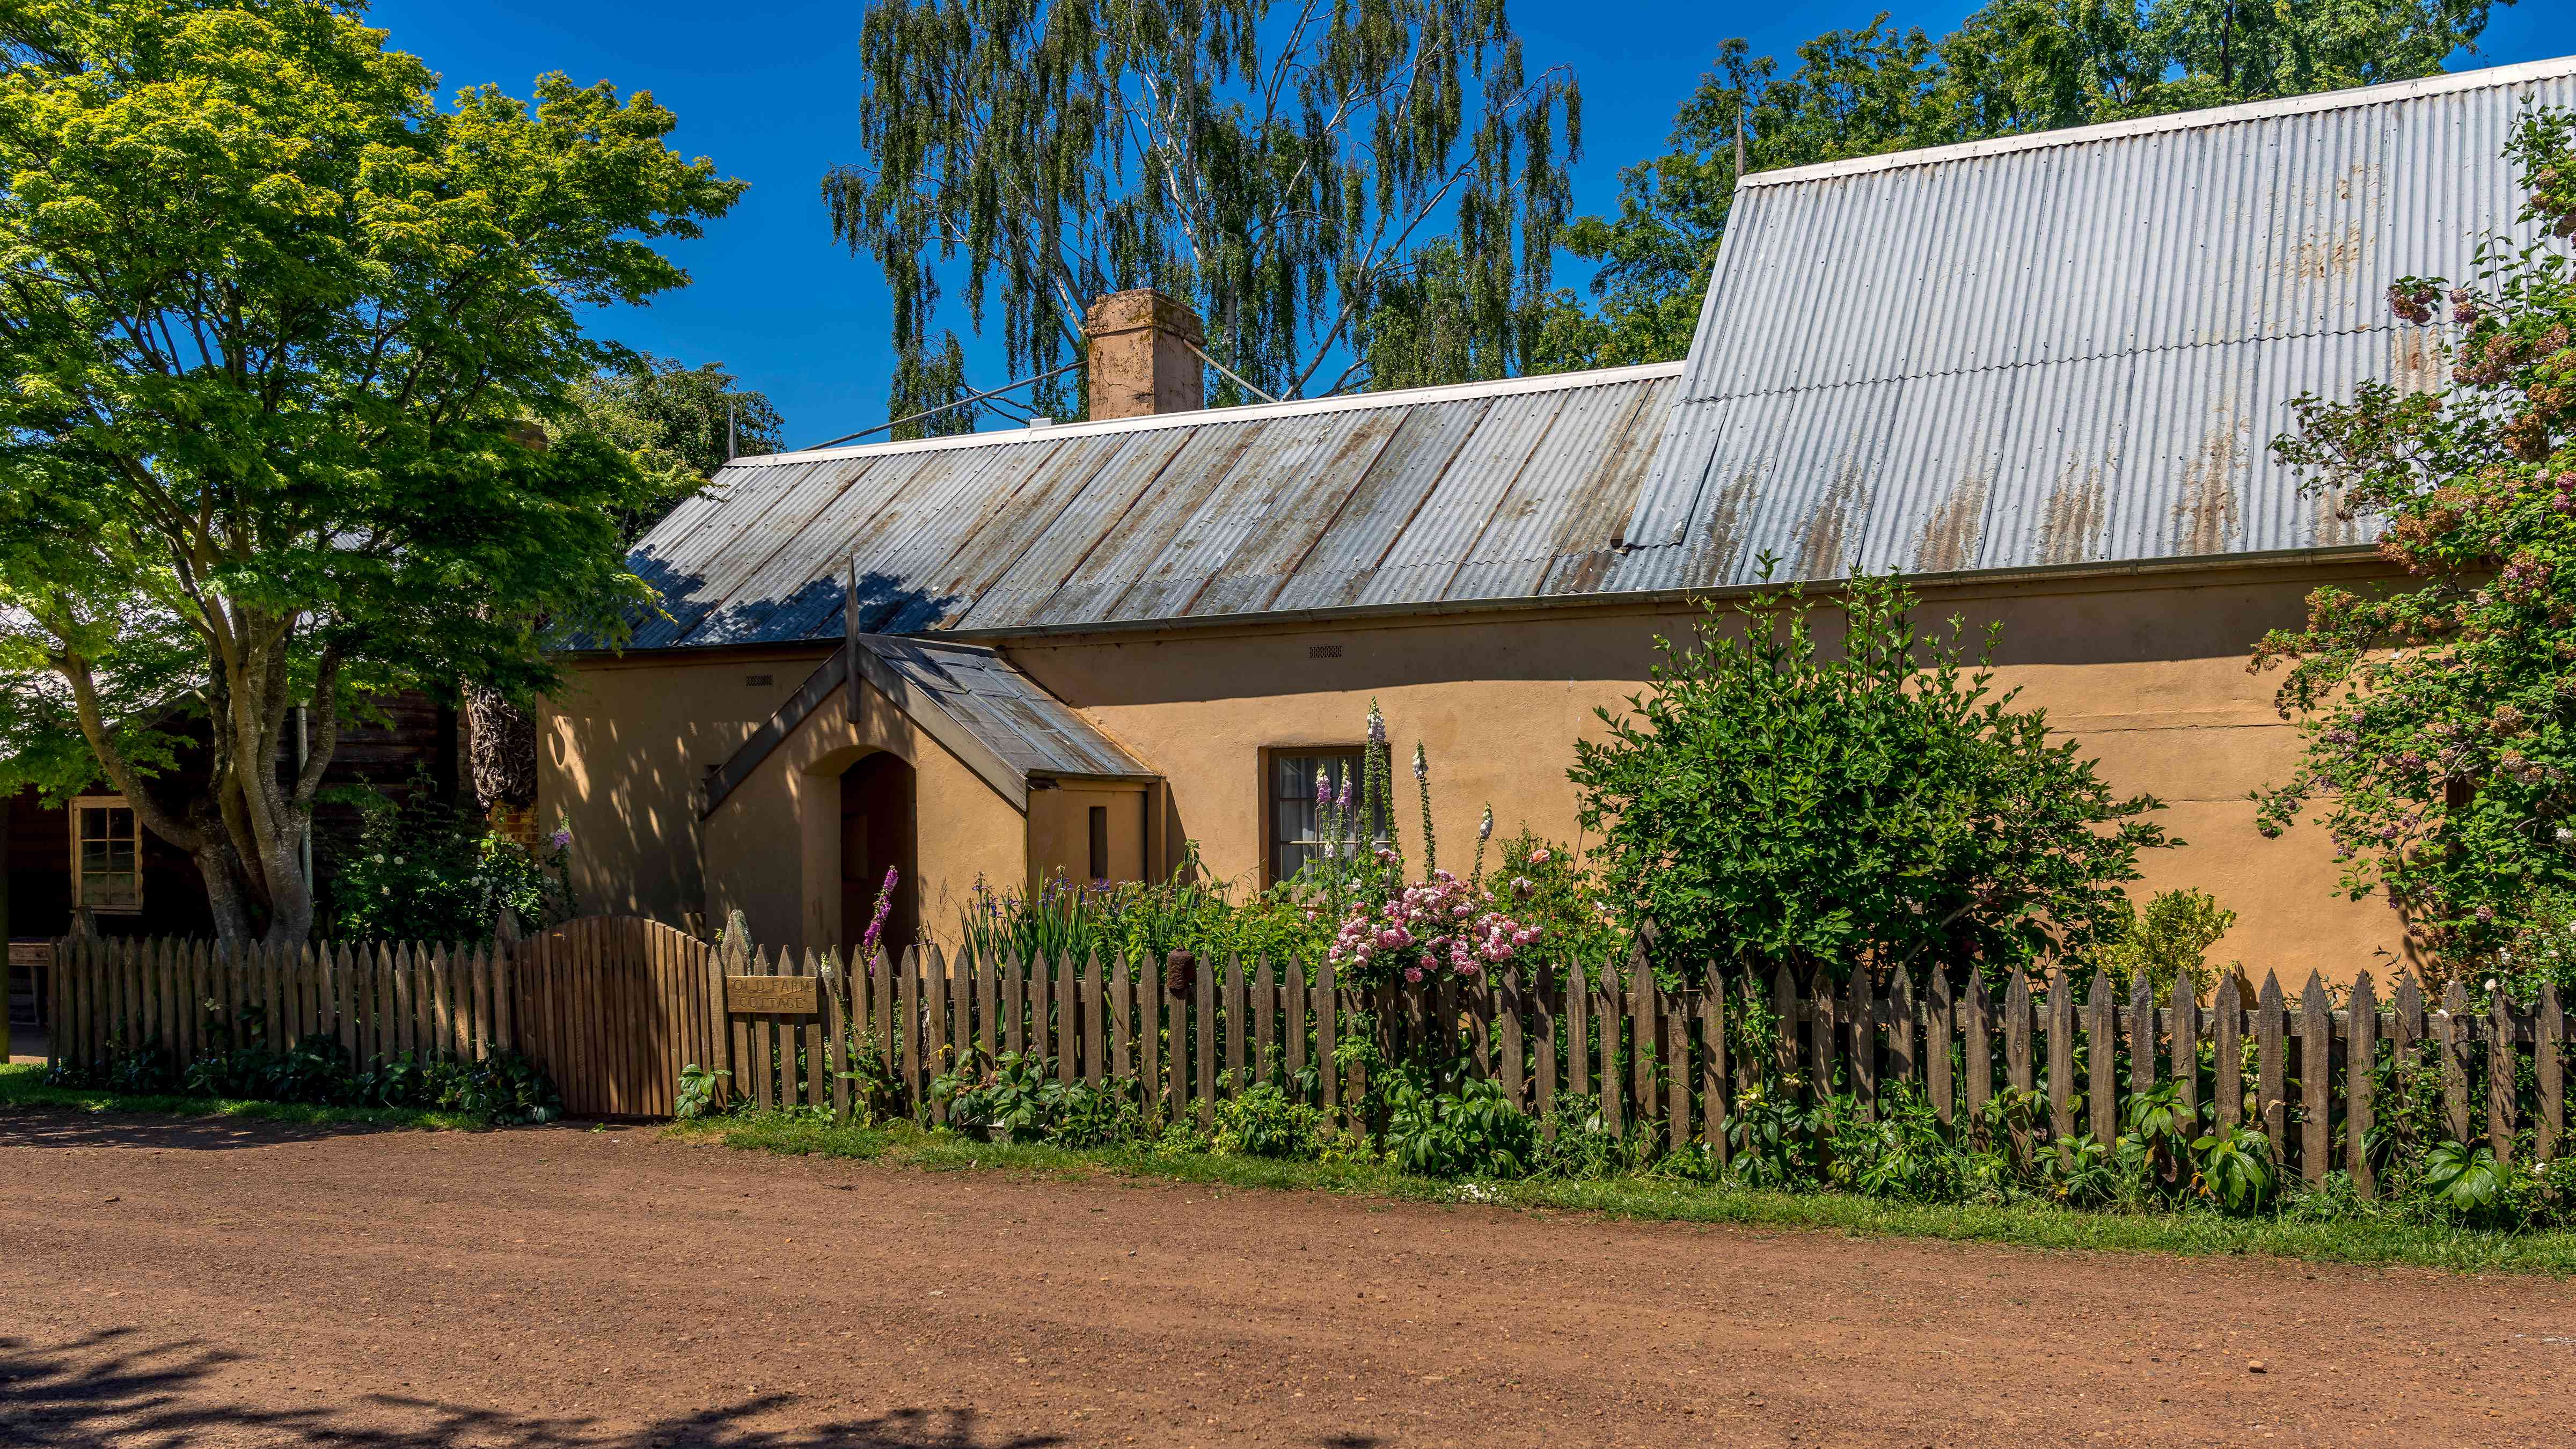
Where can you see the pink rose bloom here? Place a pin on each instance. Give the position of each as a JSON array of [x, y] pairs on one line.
[[1413, 973]]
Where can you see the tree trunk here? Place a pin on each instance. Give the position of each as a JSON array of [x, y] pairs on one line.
[[504, 745]]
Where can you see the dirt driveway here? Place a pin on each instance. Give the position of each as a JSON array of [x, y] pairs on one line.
[[194, 1284]]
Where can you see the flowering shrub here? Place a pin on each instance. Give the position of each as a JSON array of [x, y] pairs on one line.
[[1441, 924], [426, 871], [1545, 886], [2441, 718]]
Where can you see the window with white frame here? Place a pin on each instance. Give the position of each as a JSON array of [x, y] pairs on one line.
[[1298, 825], [107, 855]]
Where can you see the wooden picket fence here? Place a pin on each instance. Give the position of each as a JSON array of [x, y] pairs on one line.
[[1613, 1044], [614, 1010], [609, 1007]]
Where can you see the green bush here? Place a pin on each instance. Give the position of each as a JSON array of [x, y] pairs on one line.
[[2170, 939], [423, 870], [1017, 1098], [1449, 1122], [1877, 805], [1264, 1121]]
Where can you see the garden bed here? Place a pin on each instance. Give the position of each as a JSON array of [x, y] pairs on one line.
[[1646, 1197]]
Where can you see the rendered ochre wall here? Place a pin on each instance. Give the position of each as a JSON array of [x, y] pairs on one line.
[[2148, 671]]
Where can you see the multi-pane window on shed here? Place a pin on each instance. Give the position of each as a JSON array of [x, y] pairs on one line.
[[107, 855]]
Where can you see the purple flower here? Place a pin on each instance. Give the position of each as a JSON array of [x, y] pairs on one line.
[[876, 922], [1343, 801], [1323, 789], [1376, 726], [562, 838]]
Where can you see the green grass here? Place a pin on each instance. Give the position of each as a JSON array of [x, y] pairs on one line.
[[24, 1086], [2368, 1241]]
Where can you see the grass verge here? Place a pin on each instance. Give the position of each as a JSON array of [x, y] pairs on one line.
[[2366, 1241], [24, 1086]]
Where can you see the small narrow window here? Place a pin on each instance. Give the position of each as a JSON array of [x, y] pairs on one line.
[[1100, 842], [1299, 828], [107, 855]]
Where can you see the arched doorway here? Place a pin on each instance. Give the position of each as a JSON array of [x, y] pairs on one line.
[[877, 832]]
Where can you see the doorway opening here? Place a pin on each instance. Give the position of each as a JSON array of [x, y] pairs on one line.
[[877, 834]]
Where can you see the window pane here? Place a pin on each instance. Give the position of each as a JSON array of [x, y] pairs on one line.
[[110, 857], [1298, 828]]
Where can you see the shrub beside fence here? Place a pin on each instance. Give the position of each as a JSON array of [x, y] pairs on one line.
[[1612, 1042]]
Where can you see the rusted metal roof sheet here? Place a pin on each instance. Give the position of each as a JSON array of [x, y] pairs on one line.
[[1485, 491], [2065, 348], [2060, 349], [996, 720], [1031, 730]]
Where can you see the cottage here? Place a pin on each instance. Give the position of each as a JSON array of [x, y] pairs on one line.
[[2039, 374]]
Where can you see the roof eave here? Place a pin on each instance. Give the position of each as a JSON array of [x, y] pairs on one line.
[[1962, 578]]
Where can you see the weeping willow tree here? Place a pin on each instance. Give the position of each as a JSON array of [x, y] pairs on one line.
[[1290, 168]]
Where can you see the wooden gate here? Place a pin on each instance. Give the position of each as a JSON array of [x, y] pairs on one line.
[[613, 1007]]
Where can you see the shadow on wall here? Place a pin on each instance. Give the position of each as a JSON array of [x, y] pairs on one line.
[[642, 761], [118, 1386]]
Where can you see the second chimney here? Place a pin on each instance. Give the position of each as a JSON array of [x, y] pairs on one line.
[[1142, 355]]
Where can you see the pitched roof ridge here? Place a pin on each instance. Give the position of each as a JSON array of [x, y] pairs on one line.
[[2484, 78], [1249, 412]]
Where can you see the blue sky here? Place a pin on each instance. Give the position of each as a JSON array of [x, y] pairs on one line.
[[766, 88]]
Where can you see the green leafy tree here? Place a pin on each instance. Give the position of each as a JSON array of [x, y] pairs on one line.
[[680, 424], [2441, 717], [270, 320], [1287, 168], [1875, 806], [2170, 939], [2015, 66]]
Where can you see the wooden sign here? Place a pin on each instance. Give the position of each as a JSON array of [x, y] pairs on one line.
[[31, 953], [773, 995]]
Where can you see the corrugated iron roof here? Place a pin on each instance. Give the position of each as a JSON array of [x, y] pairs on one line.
[[975, 703], [2070, 347], [1032, 731], [2066, 348], [1503, 490]]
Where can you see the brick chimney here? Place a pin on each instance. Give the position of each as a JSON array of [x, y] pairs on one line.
[[1141, 362]]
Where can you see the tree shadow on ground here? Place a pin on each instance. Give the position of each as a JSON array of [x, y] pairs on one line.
[[113, 1388], [51, 1126]]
